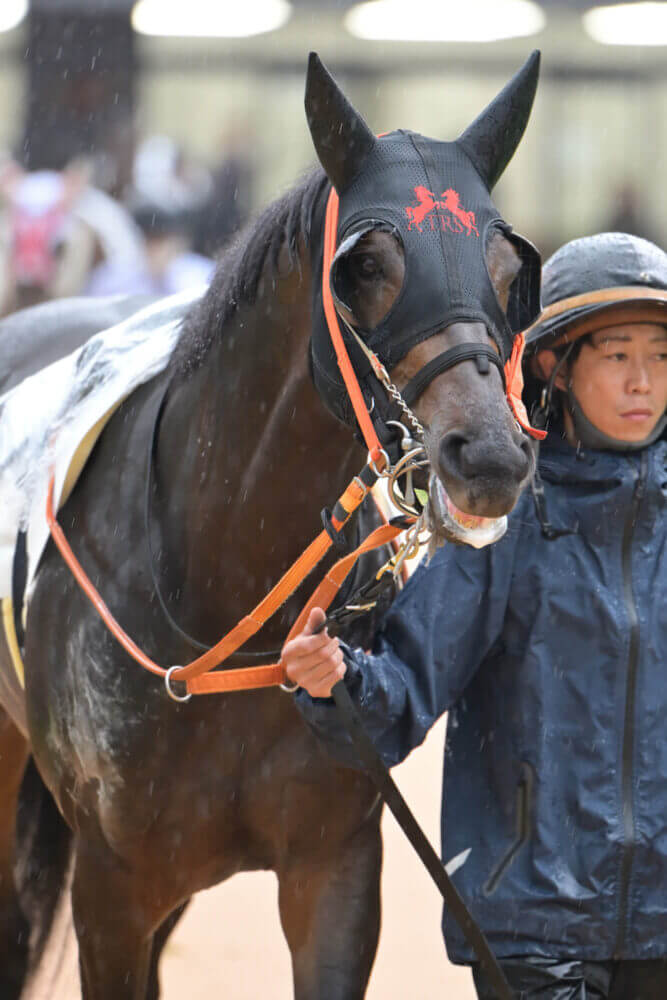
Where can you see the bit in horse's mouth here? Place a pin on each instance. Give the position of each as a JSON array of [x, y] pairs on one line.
[[448, 522]]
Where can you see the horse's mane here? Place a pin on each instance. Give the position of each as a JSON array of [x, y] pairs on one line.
[[244, 261]]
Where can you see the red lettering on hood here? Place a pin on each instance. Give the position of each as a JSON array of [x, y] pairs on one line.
[[444, 213]]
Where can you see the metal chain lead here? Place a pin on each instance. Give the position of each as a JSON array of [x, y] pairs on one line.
[[414, 454], [382, 373]]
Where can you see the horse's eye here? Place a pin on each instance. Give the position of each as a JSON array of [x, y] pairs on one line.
[[366, 265]]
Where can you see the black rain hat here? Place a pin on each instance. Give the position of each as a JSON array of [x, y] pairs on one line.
[[596, 281]]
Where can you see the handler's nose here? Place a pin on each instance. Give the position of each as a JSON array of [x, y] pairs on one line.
[[639, 381]]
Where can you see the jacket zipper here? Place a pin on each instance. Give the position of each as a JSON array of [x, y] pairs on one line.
[[630, 697], [524, 796]]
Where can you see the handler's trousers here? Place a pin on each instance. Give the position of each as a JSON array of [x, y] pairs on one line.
[[549, 979]]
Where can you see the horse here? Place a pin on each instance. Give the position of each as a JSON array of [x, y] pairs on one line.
[[154, 799], [452, 203], [55, 227], [426, 203]]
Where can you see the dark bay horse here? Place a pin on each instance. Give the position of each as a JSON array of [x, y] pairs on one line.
[[164, 799]]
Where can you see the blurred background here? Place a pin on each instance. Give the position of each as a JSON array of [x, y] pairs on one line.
[[190, 115]]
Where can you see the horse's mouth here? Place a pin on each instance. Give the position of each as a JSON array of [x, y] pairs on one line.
[[447, 522]]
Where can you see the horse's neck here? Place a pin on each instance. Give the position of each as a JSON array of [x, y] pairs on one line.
[[254, 454]]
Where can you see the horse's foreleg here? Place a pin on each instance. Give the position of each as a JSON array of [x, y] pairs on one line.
[[14, 930], [159, 941], [330, 912], [114, 926]]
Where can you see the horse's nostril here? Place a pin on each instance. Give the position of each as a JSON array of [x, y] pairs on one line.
[[527, 455], [468, 458], [451, 452]]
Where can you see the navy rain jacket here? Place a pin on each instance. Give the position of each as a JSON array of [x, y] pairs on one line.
[[551, 657]]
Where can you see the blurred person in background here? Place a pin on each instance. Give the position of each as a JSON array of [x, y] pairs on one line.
[[230, 200], [548, 649], [165, 199], [626, 213], [55, 228]]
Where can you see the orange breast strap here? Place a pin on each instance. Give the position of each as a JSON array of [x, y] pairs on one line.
[[197, 674]]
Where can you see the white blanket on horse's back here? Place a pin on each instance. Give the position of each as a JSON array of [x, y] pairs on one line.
[[50, 417]]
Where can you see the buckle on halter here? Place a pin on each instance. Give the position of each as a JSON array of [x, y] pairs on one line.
[[339, 540]]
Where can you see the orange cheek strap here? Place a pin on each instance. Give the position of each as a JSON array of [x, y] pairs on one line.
[[514, 381]]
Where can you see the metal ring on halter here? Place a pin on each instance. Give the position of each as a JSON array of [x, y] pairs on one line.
[[167, 684], [290, 688], [387, 468], [407, 441], [409, 462]]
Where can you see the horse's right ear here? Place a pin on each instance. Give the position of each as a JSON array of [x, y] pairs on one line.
[[493, 137], [341, 137]]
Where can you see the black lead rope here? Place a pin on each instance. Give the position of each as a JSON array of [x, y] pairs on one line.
[[366, 750], [393, 798], [240, 658]]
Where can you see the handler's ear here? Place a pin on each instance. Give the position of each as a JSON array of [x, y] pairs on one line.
[[543, 364]]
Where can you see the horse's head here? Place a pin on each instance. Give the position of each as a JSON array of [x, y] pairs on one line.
[[438, 294]]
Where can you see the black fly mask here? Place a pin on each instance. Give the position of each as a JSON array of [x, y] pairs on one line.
[[435, 198]]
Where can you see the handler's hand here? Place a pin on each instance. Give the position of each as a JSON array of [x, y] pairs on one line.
[[314, 662]]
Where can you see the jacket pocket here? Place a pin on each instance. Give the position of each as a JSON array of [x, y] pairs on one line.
[[524, 803]]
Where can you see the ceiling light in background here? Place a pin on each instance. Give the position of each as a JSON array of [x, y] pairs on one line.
[[12, 13], [435, 21], [209, 18], [628, 24]]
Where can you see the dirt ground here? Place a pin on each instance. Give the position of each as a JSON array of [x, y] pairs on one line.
[[230, 943]]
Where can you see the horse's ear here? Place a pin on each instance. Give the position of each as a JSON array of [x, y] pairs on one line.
[[493, 137], [342, 138]]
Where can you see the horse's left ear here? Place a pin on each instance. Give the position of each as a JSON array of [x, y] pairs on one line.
[[342, 138], [493, 137]]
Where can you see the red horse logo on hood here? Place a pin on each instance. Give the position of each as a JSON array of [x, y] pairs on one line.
[[456, 219]]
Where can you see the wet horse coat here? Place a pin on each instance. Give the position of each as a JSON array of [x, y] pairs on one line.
[[166, 799]]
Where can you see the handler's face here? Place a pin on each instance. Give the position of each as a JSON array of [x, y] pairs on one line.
[[620, 379]]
